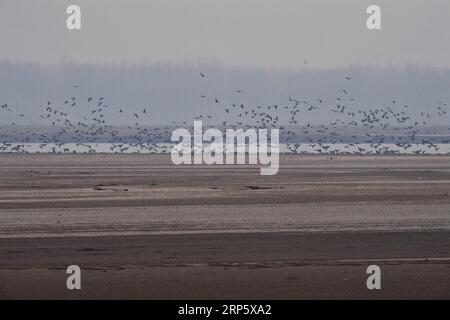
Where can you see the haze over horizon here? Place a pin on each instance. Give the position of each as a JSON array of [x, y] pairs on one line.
[[178, 93], [150, 54], [274, 35]]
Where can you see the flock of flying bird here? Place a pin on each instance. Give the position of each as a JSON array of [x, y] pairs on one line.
[[357, 130]]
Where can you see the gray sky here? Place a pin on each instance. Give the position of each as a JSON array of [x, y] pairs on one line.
[[276, 34]]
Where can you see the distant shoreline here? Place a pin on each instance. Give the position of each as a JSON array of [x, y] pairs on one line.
[[165, 148]]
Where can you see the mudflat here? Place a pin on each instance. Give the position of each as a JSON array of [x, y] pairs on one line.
[[141, 227]]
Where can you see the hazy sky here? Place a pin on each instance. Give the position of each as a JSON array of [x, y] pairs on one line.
[[263, 33]]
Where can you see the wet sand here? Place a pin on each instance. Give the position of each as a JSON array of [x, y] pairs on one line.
[[140, 227]]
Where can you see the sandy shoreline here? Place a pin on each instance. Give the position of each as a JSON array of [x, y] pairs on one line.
[[141, 227]]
